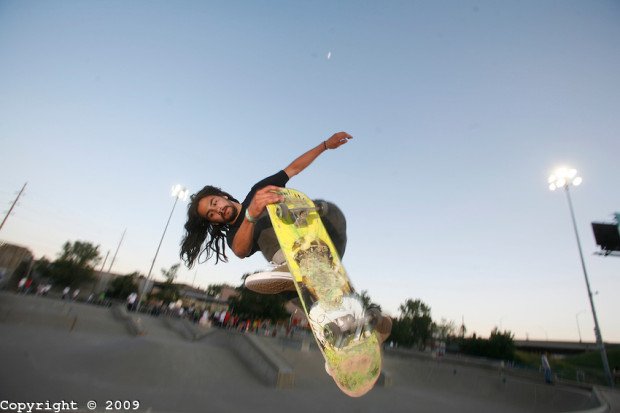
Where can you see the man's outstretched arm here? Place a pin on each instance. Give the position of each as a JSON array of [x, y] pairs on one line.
[[301, 163]]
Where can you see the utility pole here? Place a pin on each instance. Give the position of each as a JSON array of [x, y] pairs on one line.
[[117, 248], [13, 205]]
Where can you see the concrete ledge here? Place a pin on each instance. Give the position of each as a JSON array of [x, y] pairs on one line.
[[604, 405], [262, 361], [186, 328], [385, 379], [197, 331], [134, 325]]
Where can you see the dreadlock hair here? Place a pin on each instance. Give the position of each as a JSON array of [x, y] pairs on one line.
[[199, 229]]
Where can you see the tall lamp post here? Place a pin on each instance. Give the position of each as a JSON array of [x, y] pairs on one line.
[[564, 178], [178, 192], [578, 327]]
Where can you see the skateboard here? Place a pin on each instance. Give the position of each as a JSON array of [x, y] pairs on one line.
[[342, 327]]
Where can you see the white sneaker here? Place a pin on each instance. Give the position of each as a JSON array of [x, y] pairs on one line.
[[271, 282]]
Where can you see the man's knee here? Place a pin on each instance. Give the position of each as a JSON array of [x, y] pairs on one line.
[[336, 226]]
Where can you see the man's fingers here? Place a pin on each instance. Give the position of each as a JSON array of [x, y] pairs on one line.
[[268, 195], [339, 139], [268, 189]]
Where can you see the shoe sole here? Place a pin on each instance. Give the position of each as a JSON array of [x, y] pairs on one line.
[[270, 283]]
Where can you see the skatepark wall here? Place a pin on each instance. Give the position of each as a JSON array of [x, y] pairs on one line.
[[133, 323], [263, 361], [490, 381]]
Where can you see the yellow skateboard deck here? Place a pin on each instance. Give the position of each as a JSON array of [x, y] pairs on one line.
[[336, 315]]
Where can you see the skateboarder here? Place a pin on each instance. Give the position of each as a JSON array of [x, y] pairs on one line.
[[214, 216]]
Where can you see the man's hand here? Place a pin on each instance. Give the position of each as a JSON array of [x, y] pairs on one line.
[[264, 196], [337, 139]]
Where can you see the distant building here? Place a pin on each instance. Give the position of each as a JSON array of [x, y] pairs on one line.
[[15, 262], [196, 297], [191, 296]]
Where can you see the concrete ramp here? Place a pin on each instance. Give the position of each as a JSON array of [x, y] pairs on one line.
[[43, 358], [51, 313], [446, 379]]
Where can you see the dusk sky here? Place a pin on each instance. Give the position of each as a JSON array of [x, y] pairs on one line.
[[460, 110]]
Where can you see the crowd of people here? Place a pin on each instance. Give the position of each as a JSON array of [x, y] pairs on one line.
[[26, 285], [222, 318]]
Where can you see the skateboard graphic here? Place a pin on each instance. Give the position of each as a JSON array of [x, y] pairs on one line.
[[342, 327]]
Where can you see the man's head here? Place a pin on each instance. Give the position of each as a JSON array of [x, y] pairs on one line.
[[217, 209], [208, 215]]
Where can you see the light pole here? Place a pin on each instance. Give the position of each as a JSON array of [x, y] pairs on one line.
[[194, 280], [579, 328], [13, 205], [178, 192], [564, 178]]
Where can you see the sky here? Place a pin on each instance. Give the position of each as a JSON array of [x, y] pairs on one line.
[[460, 110]]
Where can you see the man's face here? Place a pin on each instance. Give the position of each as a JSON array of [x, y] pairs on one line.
[[217, 209]]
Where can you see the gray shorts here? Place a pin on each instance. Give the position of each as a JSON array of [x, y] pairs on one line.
[[335, 224]]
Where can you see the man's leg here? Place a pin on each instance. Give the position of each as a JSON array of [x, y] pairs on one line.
[[278, 280], [336, 225]]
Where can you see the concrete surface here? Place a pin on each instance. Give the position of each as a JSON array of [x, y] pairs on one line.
[[56, 350]]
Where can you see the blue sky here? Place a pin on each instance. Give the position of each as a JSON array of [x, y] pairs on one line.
[[459, 110]]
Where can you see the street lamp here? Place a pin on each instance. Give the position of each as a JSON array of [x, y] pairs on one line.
[[564, 178], [578, 327], [178, 192]]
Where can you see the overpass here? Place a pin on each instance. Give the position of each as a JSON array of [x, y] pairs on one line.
[[558, 347]]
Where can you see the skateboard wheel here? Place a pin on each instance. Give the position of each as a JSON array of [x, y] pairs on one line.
[[283, 212], [372, 317], [332, 333]]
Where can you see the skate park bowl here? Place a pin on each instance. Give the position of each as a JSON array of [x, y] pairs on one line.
[[54, 350]]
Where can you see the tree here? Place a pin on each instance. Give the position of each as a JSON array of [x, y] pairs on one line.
[[261, 306], [42, 267], [75, 263], [462, 330], [171, 273], [367, 301], [413, 309], [500, 345], [215, 289], [122, 286], [445, 329], [414, 326], [82, 254], [169, 292]]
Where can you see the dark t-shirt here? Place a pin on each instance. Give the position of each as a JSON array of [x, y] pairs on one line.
[[279, 179]]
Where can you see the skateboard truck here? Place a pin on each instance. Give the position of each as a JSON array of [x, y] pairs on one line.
[[299, 215], [344, 329]]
